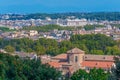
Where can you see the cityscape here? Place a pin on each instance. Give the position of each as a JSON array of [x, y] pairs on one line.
[[59, 40]]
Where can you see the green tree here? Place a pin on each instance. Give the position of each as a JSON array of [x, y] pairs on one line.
[[98, 74], [80, 75], [40, 50], [9, 49], [97, 52], [15, 68], [94, 74], [113, 50]]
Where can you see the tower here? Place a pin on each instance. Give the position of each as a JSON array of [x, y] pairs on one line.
[[75, 56]]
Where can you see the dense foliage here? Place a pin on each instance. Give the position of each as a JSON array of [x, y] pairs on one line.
[[6, 29], [93, 44], [14, 68], [47, 28], [92, 27], [94, 74]]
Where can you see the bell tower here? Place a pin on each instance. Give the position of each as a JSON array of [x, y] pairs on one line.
[[75, 56]]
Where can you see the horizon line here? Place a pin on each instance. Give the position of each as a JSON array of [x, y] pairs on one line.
[[63, 12]]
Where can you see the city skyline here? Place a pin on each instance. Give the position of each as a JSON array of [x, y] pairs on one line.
[[58, 6]]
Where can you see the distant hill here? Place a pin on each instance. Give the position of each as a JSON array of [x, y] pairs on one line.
[[111, 16]]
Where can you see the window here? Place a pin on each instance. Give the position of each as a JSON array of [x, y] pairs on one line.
[[76, 59]]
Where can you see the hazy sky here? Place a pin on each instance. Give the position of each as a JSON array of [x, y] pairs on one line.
[[53, 6]]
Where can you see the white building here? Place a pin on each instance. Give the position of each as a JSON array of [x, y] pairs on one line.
[[33, 32], [76, 22]]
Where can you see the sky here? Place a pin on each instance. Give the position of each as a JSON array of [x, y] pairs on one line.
[[58, 6]]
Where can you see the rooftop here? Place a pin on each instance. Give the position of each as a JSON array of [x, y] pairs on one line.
[[97, 64], [61, 56], [99, 57], [55, 64], [76, 51]]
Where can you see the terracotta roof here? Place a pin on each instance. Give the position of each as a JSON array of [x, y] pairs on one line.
[[97, 64], [61, 56], [63, 63], [99, 57], [54, 64], [76, 51]]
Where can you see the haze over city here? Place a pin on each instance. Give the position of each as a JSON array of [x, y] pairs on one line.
[[58, 6]]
